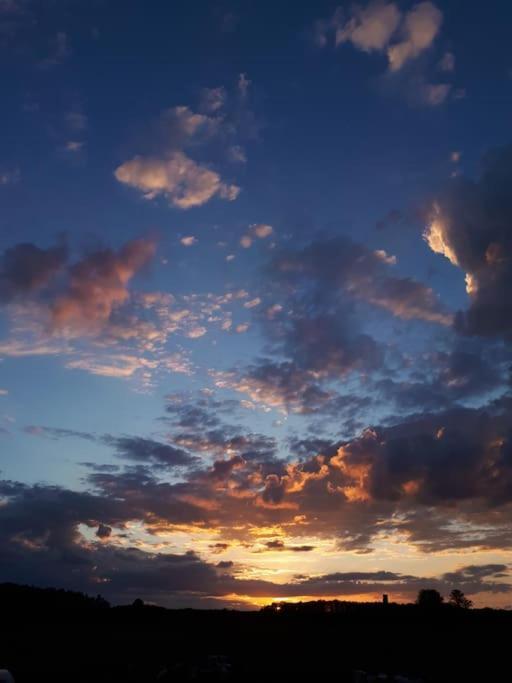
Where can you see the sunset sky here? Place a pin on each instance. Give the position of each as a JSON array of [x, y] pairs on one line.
[[256, 299]]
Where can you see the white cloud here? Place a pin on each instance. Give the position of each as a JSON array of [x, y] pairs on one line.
[[117, 365], [181, 126], [258, 230], [262, 230], [189, 241], [383, 256], [196, 332], [184, 182], [420, 27], [381, 27], [370, 28]]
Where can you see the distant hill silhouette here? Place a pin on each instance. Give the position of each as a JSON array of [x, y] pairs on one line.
[[59, 635]]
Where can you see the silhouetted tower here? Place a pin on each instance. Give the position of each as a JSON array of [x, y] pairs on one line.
[[385, 599]]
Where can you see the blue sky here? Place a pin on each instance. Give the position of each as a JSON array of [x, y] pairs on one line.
[[254, 276]]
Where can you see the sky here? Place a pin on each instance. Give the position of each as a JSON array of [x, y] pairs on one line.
[[256, 299]]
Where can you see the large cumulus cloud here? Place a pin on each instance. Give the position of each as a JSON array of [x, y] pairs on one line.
[[471, 226]]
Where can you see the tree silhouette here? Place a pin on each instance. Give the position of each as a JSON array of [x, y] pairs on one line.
[[429, 598], [459, 600]]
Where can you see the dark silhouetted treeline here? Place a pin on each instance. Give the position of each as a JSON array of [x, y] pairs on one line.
[[59, 636], [28, 598]]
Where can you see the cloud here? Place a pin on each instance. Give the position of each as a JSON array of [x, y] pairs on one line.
[[25, 269], [447, 62], [135, 448], [277, 385], [150, 451], [420, 27], [213, 99], [447, 379], [237, 154], [403, 37], [170, 166], [184, 182], [74, 298], [278, 545], [370, 28], [180, 127], [340, 265], [434, 94], [468, 225], [256, 231], [74, 146], [104, 531], [97, 285], [436, 482], [42, 544], [189, 241], [314, 334], [381, 27]]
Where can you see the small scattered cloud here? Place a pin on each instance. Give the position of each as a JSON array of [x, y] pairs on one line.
[[420, 27], [189, 241], [434, 94], [256, 231], [74, 146], [447, 62], [181, 180], [213, 99], [381, 27]]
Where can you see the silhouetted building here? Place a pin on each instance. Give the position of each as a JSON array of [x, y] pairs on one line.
[[385, 599]]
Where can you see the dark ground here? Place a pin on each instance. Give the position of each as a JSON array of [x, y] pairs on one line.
[[59, 636]]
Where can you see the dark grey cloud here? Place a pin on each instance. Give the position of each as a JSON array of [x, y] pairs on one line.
[[313, 324], [149, 451], [134, 448], [88, 293], [25, 269], [444, 480], [104, 531], [328, 269], [279, 545], [41, 545], [443, 379], [470, 225]]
